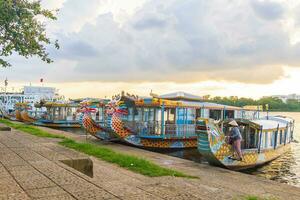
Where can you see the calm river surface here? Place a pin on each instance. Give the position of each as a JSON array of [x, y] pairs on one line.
[[285, 169]]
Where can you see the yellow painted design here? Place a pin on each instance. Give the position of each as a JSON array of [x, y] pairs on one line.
[[167, 143], [18, 115], [26, 118]]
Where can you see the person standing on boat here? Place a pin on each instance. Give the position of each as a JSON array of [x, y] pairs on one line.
[[236, 138]]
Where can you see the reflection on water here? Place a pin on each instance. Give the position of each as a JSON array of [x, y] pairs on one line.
[[285, 169]]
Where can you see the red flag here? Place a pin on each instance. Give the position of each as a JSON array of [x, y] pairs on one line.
[[41, 80]]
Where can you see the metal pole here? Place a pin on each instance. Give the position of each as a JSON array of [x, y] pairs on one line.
[[285, 133], [276, 135], [162, 119], [259, 141]]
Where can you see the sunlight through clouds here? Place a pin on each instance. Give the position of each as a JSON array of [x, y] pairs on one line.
[[217, 47]]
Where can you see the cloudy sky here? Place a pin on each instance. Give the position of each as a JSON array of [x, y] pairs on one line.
[[218, 47]]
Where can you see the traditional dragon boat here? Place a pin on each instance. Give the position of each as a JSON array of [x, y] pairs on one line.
[[263, 141], [153, 122], [59, 115], [93, 118]]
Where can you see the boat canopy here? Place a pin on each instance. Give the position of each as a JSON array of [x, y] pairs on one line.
[[269, 124], [157, 102], [209, 105], [181, 96]]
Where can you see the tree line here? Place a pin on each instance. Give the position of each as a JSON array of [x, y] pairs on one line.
[[273, 103]]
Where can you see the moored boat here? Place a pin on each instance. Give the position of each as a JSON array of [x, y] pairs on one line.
[[59, 115], [153, 122], [263, 141]]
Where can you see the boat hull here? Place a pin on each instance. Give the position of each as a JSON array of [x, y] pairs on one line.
[[19, 116], [161, 143], [58, 124], [26, 118]]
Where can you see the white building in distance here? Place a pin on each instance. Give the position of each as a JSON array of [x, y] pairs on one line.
[[30, 94]]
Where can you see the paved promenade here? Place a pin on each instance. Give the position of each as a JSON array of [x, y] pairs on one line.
[[30, 168]]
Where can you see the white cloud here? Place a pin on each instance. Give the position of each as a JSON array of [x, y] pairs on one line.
[[170, 40]]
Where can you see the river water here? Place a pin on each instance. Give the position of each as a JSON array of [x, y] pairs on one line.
[[285, 169]]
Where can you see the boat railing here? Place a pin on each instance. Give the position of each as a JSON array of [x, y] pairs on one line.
[[170, 131], [145, 128]]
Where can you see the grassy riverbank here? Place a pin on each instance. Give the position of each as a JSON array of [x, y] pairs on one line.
[[129, 162]]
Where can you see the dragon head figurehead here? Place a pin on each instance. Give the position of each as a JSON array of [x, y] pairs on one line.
[[86, 108], [117, 106]]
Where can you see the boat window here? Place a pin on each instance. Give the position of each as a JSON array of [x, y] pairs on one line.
[[272, 139], [191, 115], [215, 114], [229, 114], [138, 114], [262, 142], [69, 111], [158, 114], [266, 139], [198, 113], [181, 115], [285, 136], [170, 115], [130, 114], [252, 138], [151, 114], [243, 130], [280, 137]]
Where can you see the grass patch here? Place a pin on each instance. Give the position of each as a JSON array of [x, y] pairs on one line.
[[129, 162], [251, 197], [30, 129]]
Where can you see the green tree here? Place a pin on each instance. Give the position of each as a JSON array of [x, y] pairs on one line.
[[22, 31]]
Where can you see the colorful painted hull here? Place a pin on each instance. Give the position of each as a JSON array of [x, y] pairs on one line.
[[213, 147], [19, 116], [160, 142], [26, 118], [58, 124], [96, 129]]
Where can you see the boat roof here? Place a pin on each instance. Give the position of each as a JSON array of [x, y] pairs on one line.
[[209, 105], [281, 118], [269, 123], [150, 101], [180, 96]]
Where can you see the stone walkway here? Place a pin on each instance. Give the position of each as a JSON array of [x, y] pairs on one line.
[[30, 168]]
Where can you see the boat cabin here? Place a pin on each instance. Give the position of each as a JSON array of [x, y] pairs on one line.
[[264, 133], [150, 116]]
